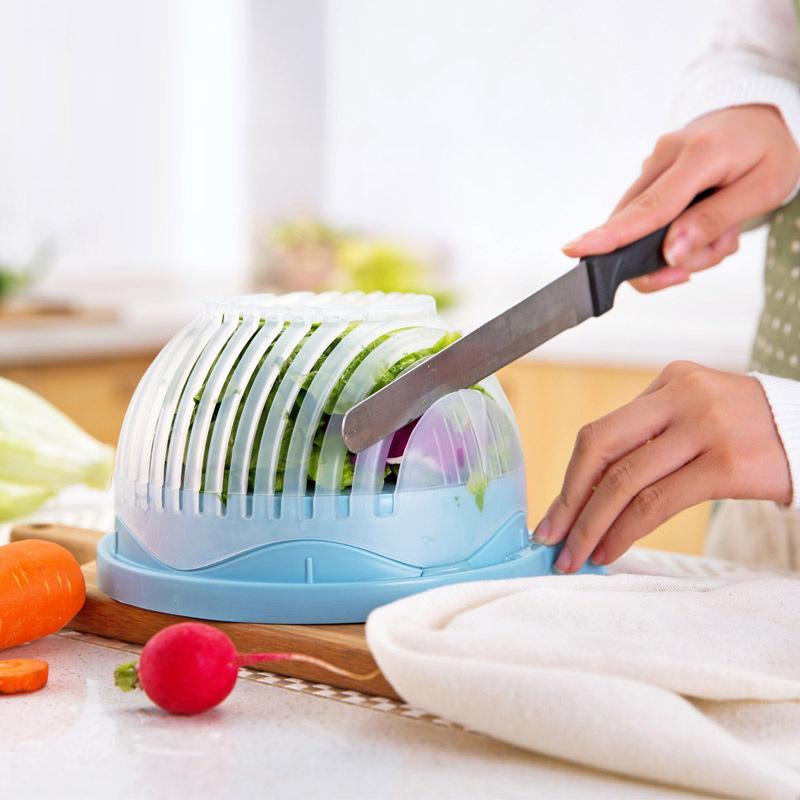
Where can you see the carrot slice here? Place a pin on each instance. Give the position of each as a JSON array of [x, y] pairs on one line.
[[22, 675]]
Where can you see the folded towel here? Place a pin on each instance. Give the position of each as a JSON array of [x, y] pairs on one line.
[[689, 681]]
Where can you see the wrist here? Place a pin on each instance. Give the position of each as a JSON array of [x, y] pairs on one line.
[[783, 398]]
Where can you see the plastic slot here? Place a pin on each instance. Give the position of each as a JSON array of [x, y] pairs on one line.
[[369, 467], [200, 429], [318, 396], [334, 451], [176, 448], [163, 424], [474, 438], [231, 402], [277, 415], [444, 451], [244, 437], [132, 468]]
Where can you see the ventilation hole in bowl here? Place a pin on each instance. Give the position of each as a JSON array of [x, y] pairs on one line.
[[286, 425], [173, 419], [307, 455], [218, 400], [259, 432], [199, 394], [276, 341]]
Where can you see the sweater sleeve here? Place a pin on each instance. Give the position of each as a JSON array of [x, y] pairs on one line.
[[753, 58], [783, 396]]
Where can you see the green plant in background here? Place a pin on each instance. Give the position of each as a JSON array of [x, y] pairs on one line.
[[12, 281], [15, 279], [304, 232], [375, 266], [314, 255]]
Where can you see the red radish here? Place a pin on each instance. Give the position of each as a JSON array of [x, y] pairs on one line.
[[191, 667]]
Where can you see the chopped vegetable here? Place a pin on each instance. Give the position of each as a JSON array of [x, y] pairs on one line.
[[190, 667], [19, 675], [477, 486], [41, 590], [42, 451], [391, 372], [400, 441]]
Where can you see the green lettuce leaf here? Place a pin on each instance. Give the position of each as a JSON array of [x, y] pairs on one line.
[[43, 451], [391, 372]]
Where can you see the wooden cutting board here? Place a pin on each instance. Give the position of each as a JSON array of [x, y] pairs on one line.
[[343, 645]]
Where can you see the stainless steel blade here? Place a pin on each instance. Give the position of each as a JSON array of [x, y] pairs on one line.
[[561, 304]]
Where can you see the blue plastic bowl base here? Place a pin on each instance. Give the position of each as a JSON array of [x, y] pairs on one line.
[[231, 592]]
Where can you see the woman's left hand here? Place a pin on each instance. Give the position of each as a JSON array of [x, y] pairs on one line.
[[694, 434]]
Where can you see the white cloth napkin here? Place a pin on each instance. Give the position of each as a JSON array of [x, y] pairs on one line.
[[688, 681]]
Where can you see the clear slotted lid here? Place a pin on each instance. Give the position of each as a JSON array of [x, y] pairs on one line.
[[240, 415]]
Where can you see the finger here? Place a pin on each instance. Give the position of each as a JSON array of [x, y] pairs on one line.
[[623, 481], [673, 371], [708, 220], [662, 157], [599, 444], [658, 205], [712, 254], [662, 279], [654, 505]]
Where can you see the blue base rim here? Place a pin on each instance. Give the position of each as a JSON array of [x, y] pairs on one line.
[[192, 595]]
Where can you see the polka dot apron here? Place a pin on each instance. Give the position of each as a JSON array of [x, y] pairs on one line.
[[757, 532], [776, 350]]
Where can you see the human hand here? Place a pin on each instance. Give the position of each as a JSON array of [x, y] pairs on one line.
[[747, 153], [694, 434]]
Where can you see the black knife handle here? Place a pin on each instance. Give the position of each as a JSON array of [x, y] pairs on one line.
[[607, 272]]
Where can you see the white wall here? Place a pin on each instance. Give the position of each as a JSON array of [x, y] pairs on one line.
[[507, 127], [286, 108], [153, 137], [124, 137]]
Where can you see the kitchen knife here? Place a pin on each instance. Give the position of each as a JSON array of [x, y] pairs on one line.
[[587, 290]]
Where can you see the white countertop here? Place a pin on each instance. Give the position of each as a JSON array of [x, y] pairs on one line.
[[80, 737]]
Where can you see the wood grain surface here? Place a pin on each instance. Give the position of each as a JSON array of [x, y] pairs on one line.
[[343, 645]]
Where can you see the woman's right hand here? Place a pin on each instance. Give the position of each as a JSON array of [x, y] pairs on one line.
[[746, 153]]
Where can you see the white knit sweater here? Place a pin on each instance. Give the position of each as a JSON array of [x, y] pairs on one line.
[[754, 57]]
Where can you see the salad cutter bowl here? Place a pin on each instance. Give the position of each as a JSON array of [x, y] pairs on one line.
[[236, 497]]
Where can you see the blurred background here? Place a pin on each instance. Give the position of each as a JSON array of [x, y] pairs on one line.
[[154, 153]]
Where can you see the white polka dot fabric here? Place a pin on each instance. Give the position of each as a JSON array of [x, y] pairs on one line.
[[776, 350]]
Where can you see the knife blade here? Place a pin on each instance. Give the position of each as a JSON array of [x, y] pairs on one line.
[[585, 291]]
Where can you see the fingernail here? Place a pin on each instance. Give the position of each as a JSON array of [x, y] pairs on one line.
[[564, 560], [599, 557], [542, 532], [678, 249]]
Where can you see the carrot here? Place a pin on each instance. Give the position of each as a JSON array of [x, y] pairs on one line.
[[19, 675], [41, 590]]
